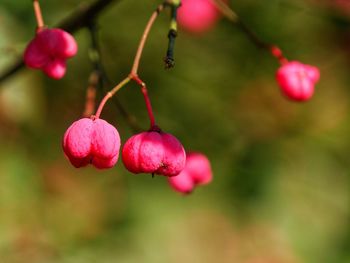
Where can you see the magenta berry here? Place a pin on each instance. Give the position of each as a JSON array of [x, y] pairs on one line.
[[182, 183], [198, 166], [92, 141], [154, 152], [49, 51], [197, 171], [297, 80], [197, 16]]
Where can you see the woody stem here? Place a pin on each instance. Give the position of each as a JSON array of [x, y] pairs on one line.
[[232, 16]]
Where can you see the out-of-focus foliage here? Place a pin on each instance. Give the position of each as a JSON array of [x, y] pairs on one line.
[[281, 170]]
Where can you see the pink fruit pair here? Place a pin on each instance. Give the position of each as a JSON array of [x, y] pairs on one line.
[[49, 51], [95, 141], [297, 80], [197, 171]]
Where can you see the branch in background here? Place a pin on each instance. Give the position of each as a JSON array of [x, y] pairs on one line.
[[235, 19], [79, 18], [90, 100]]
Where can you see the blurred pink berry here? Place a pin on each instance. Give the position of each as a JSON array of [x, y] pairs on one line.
[[297, 80], [197, 171], [92, 141], [182, 183], [49, 51], [197, 16], [154, 152]]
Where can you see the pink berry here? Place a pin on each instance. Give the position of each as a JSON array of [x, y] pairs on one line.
[[182, 183], [297, 80], [198, 166], [92, 141], [49, 51], [197, 171], [197, 16], [154, 152]]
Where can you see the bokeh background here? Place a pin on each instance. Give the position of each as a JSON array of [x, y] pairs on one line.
[[281, 170]]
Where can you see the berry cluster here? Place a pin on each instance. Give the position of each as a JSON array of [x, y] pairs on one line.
[[92, 140]]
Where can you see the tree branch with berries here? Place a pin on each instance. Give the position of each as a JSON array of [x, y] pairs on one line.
[[92, 140]]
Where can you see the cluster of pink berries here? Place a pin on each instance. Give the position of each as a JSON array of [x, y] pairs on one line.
[[95, 141]]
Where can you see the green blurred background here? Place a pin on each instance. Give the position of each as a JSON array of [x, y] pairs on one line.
[[281, 169]]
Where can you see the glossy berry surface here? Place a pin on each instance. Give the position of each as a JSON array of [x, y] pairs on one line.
[[197, 16], [297, 80], [154, 152], [92, 141], [197, 171], [49, 51]]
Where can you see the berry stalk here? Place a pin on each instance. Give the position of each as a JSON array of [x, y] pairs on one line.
[[133, 75], [147, 100], [102, 78], [145, 34], [110, 95], [38, 15]]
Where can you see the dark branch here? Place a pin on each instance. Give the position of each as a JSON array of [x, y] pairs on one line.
[[78, 19]]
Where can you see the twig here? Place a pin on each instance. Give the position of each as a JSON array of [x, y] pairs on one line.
[[172, 34], [232, 16]]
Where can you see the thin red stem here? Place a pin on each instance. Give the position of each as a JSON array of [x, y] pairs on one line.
[[110, 95], [277, 53], [145, 34], [147, 99], [38, 15], [148, 106]]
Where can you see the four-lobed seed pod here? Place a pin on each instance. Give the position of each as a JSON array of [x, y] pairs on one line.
[[154, 152], [92, 140], [297, 80], [49, 50]]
